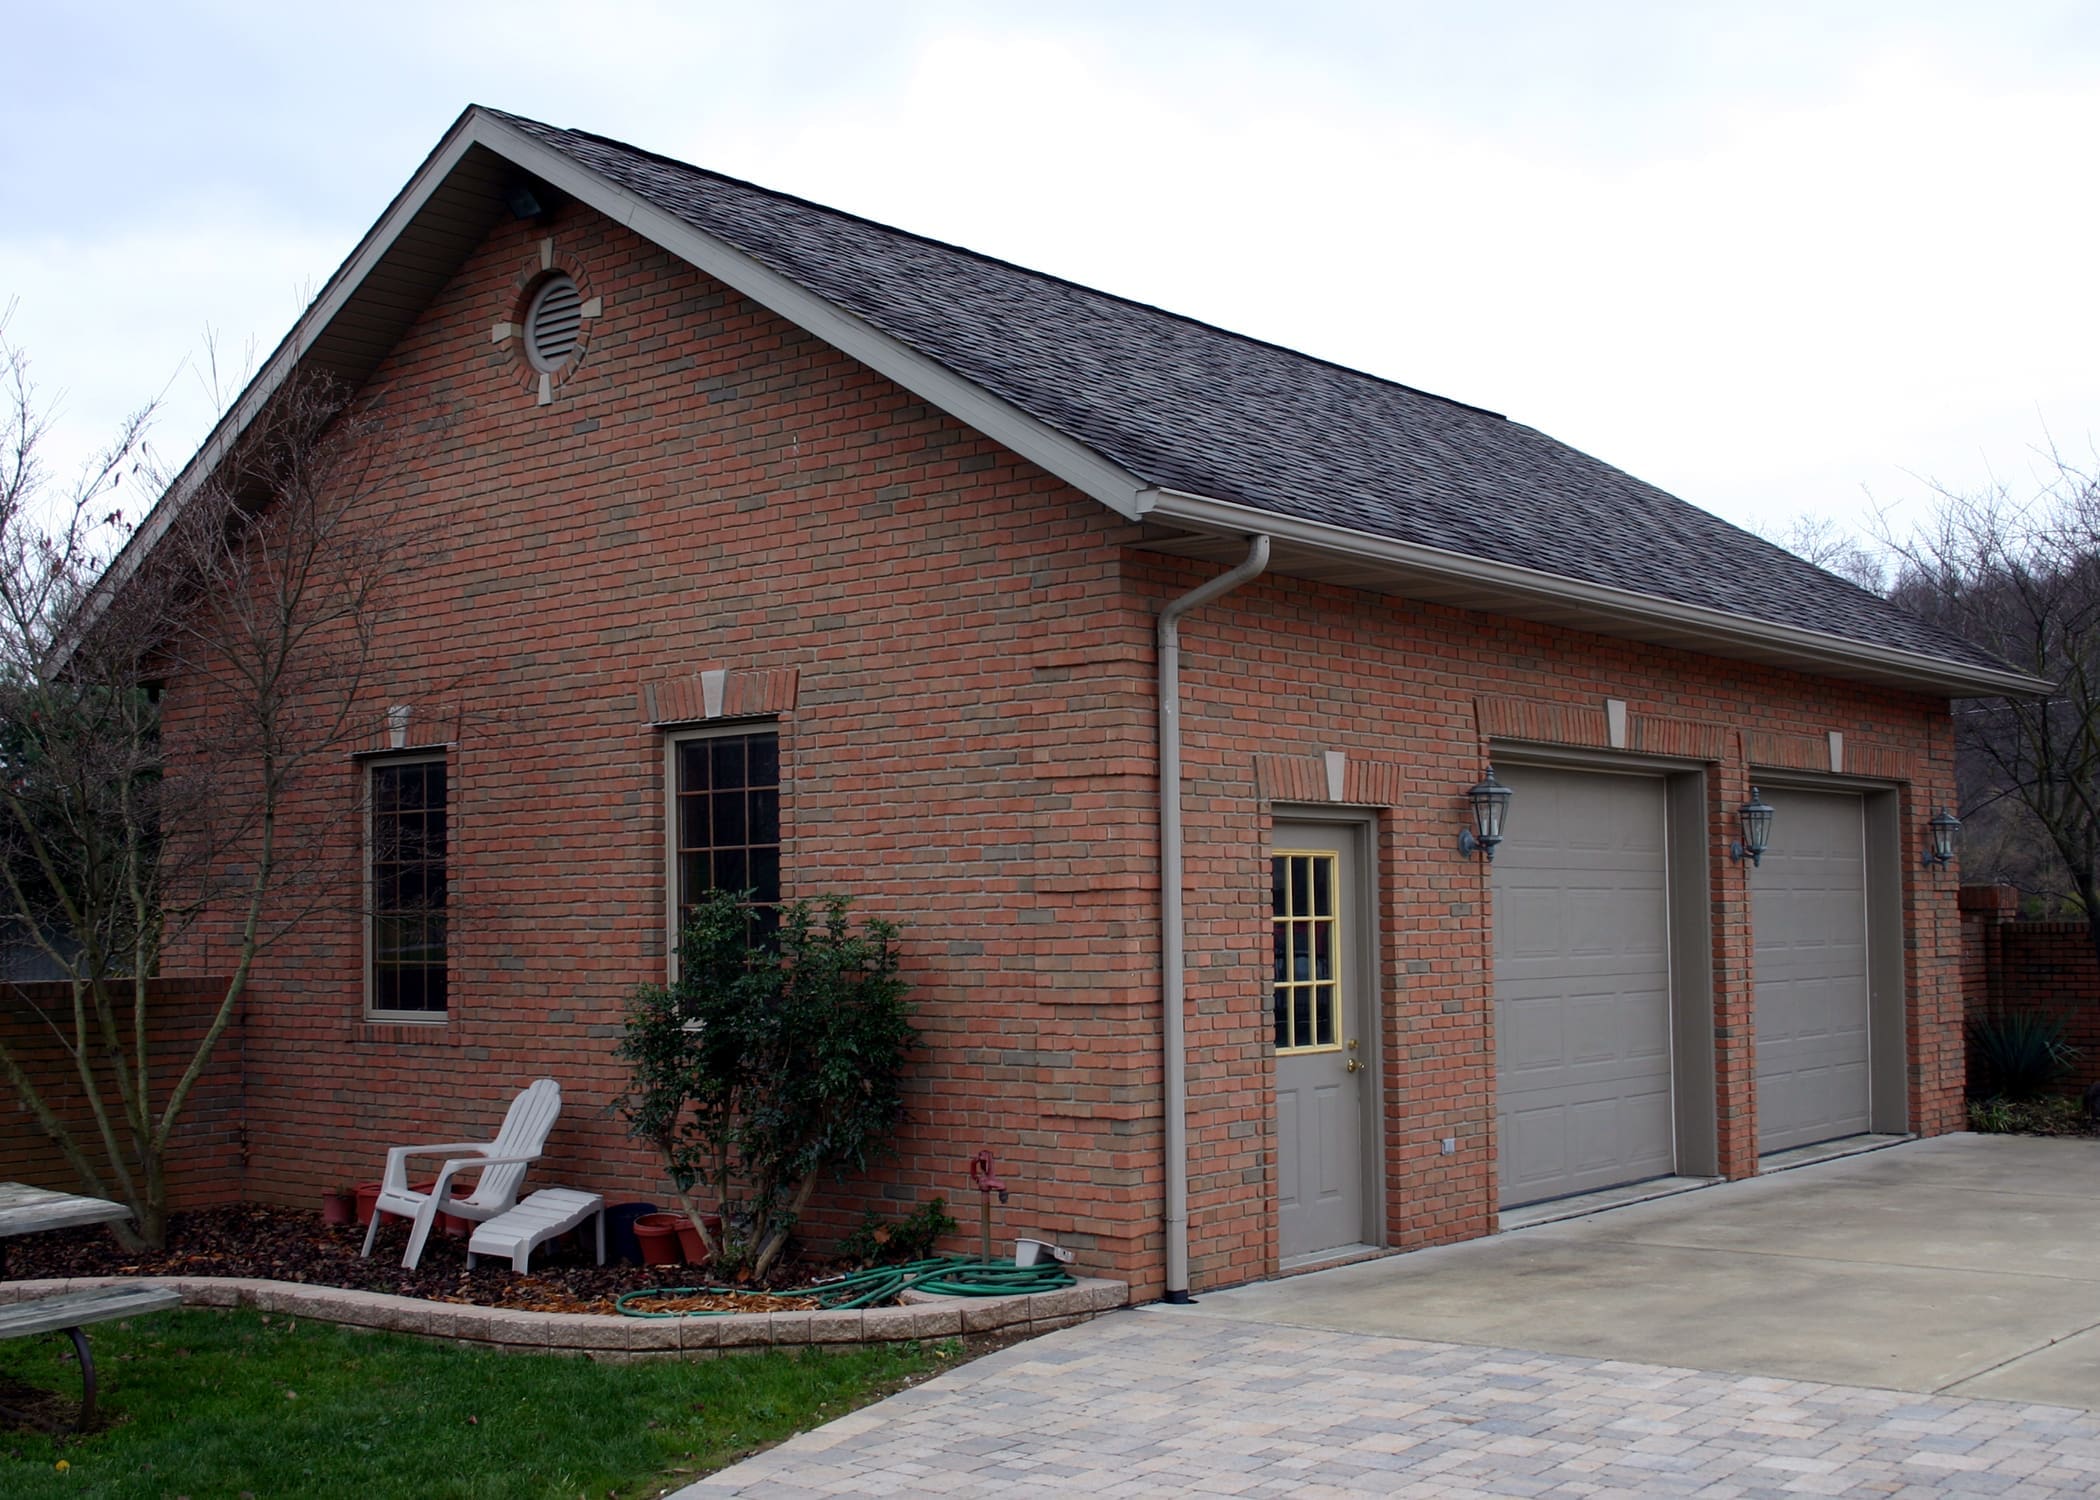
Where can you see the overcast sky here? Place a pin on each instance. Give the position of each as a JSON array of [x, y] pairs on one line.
[[1777, 258]]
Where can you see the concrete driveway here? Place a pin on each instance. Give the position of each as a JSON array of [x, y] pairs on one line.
[[1967, 1264]]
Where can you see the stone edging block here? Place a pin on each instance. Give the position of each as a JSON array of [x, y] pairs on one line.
[[609, 1334]]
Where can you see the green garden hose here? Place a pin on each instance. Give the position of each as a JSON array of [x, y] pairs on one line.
[[942, 1276]]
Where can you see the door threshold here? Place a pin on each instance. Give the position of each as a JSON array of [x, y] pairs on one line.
[[1320, 1260], [1808, 1156], [1553, 1210]]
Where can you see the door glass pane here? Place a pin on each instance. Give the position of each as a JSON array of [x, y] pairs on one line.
[[1305, 949]]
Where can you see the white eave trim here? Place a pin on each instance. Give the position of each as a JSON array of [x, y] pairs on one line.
[[1228, 518], [1067, 458], [284, 360], [969, 403]]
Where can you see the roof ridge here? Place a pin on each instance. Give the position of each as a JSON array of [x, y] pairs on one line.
[[995, 260]]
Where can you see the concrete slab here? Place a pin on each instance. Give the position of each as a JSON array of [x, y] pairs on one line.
[[2071, 1364], [1922, 1267]]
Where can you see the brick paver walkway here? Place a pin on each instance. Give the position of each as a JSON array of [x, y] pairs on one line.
[[1176, 1402]]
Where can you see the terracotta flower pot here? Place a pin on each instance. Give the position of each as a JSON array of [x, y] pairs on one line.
[[657, 1234], [368, 1199], [338, 1208], [689, 1241]]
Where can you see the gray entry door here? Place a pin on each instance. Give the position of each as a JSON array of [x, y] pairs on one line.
[[1808, 906], [1583, 1063], [1317, 1013]]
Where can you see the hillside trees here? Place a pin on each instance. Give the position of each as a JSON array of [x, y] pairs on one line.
[[2016, 572], [2019, 575]]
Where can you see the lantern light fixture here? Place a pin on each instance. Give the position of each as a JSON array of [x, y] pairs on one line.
[[1490, 801], [1755, 817], [1941, 833]]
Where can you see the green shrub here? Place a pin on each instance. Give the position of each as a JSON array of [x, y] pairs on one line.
[[777, 1056], [2018, 1055], [910, 1238]]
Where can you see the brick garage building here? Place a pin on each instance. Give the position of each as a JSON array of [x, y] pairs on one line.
[[862, 543]]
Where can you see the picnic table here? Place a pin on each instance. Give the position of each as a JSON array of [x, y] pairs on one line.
[[31, 1210]]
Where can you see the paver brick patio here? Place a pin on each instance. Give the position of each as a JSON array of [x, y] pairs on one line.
[[1165, 1401]]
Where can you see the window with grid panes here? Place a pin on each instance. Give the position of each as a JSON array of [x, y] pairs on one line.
[[1306, 929], [408, 938], [726, 817]]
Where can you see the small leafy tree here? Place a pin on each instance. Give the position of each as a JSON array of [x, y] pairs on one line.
[[774, 1058]]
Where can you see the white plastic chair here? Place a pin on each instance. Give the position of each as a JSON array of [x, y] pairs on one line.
[[501, 1163]]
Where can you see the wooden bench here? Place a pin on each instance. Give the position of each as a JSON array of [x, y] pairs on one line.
[[521, 1230], [68, 1313]]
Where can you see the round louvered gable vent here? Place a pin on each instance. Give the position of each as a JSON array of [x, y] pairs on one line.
[[552, 324]]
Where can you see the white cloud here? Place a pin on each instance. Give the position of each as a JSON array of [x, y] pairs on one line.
[[1761, 258]]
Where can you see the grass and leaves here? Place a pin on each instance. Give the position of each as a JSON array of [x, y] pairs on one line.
[[2050, 1114], [201, 1402]]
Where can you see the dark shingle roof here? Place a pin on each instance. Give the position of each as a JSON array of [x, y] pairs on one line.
[[1190, 407]]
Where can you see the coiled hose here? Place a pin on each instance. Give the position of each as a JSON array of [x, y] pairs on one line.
[[942, 1276]]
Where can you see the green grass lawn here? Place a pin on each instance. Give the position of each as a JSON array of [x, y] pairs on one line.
[[211, 1404]]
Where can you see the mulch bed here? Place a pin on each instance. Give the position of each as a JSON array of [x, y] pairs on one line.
[[283, 1244]]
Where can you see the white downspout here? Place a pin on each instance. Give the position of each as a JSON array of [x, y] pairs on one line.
[[1173, 975]]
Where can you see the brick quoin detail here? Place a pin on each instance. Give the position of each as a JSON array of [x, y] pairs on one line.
[[958, 650]]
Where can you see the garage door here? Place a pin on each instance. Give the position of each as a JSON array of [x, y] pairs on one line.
[[1809, 907], [1582, 985]]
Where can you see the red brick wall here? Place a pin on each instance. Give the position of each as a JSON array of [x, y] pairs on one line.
[[2009, 965], [1415, 695], [712, 488], [969, 751], [205, 1158]]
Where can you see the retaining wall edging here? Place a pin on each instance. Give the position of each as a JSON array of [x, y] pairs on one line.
[[604, 1335]]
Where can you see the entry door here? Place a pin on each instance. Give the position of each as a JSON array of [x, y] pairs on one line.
[[1809, 907], [1318, 1012]]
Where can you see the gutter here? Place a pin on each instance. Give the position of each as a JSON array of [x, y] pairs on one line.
[[1172, 937], [1756, 640]]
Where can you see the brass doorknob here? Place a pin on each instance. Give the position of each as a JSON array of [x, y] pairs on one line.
[[1354, 1066]]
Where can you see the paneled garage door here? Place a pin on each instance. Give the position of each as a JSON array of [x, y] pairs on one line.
[[1809, 907], [1582, 984]]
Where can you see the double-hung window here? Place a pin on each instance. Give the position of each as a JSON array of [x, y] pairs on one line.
[[406, 938], [724, 818]]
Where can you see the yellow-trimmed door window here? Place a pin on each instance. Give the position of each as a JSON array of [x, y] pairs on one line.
[[1306, 926]]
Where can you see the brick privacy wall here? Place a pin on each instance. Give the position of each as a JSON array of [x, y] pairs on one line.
[[205, 1161], [2010, 965], [970, 753]]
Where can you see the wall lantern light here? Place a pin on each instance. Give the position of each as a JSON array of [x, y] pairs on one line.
[[1756, 819], [1490, 799], [1942, 830]]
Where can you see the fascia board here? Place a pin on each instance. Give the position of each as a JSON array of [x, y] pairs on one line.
[[1518, 583], [969, 403], [284, 360]]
